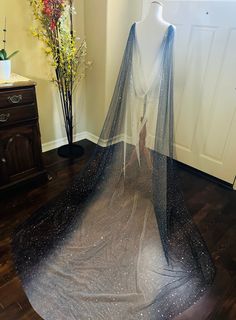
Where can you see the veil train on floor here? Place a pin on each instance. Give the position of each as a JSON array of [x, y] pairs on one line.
[[120, 242]]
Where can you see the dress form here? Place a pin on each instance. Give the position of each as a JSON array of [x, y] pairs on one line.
[[150, 33]]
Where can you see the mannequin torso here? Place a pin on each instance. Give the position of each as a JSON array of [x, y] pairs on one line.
[[149, 34]]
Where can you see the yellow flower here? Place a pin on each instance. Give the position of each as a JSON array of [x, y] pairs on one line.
[[48, 50], [34, 33]]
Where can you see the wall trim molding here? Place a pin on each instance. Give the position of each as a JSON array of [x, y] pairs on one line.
[[234, 184], [77, 137], [93, 138]]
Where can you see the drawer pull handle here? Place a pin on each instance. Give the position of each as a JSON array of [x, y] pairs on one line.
[[4, 117], [15, 99]]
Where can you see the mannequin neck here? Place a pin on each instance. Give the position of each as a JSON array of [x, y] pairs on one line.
[[155, 12]]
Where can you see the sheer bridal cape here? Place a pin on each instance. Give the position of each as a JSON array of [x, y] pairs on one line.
[[120, 244]]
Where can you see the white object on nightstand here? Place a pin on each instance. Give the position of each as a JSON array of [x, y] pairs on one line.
[[5, 70]]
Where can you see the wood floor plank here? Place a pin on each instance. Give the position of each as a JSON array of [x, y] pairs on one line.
[[12, 312], [12, 292], [212, 206]]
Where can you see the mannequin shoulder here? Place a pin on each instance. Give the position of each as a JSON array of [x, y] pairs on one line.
[[172, 26], [172, 29], [169, 26]]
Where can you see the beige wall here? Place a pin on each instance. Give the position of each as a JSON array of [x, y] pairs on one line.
[[120, 16], [95, 30], [106, 25]]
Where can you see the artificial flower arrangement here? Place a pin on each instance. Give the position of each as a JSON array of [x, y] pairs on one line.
[[68, 56]]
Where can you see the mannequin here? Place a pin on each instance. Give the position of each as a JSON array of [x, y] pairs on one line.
[[149, 33]]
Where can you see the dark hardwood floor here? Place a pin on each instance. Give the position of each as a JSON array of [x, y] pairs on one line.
[[213, 208]]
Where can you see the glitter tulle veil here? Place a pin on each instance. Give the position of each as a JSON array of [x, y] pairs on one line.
[[120, 244]]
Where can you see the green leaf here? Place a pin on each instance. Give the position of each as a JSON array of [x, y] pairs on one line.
[[13, 54], [3, 54]]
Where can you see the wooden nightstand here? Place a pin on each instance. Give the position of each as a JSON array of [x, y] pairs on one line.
[[20, 144]]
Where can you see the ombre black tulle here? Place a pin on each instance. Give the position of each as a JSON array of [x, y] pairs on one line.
[[120, 243]]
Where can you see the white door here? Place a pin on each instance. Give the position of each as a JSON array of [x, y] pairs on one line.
[[205, 84]]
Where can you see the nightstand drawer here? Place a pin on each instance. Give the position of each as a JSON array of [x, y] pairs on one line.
[[17, 97], [10, 116]]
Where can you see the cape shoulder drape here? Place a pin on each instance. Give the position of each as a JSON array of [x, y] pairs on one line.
[[120, 242]]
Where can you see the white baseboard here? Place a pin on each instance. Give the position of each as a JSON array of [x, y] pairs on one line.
[[91, 137], [77, 137], [234, 184]]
